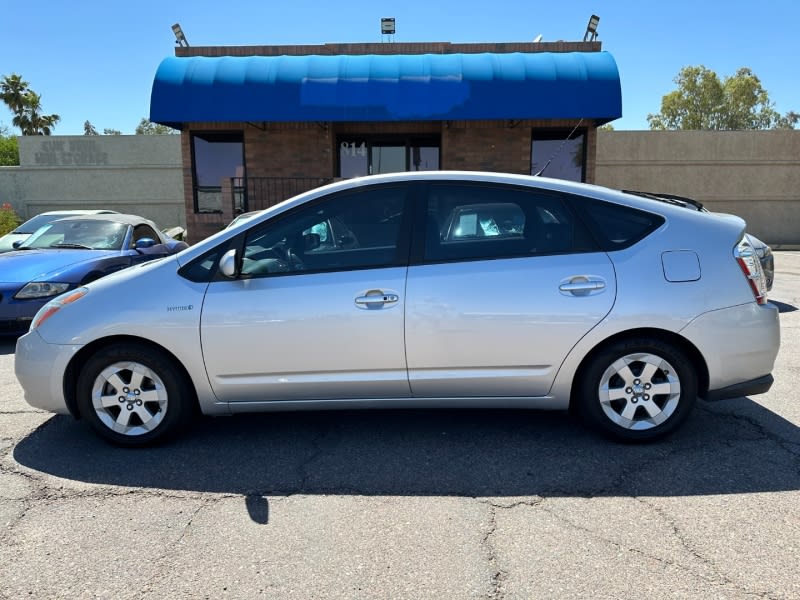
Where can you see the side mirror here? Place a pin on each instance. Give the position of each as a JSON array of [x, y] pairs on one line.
[[143, 243], [311, 241], [227, 264], [17, 244], [347, 240]]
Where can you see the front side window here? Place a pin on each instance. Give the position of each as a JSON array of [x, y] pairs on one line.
[[216, 157], [559, 154], [485, 221], [352, 230]]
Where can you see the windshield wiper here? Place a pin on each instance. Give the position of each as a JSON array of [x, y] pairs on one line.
[[76, 246]]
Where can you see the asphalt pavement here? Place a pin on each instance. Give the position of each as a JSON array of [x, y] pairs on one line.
[[410, 504]]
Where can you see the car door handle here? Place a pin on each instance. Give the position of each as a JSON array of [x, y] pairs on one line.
[[376, 299], [581, 285]]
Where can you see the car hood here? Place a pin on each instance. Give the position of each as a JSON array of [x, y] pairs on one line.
[[30, 265]]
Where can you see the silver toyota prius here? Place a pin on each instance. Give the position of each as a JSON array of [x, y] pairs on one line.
[[439, 289]]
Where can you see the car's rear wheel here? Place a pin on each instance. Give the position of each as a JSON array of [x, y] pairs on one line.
[[133, 394], [637, 390]]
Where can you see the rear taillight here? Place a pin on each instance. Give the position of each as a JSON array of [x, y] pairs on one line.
[[751, 267]]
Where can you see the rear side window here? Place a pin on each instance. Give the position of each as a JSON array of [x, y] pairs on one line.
[[616, 227], [474, 221]]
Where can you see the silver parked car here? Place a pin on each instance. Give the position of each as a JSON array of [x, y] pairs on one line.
[[438, 289]]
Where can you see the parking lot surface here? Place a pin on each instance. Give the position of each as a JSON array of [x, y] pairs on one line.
[[410, 504]]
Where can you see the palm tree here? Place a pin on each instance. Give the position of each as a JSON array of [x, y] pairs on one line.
[[26, 106], [30, 119], [13, 90]]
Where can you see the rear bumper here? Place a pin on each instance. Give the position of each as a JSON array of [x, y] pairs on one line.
[[739, 345], [759, 385]]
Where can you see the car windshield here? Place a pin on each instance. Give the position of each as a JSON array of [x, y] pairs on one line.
[[31, 225], [88, 234]]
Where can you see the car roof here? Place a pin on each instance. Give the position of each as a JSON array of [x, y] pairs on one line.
[[78, 211], [123, 218]]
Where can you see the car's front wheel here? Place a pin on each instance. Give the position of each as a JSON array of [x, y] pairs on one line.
[[637, 390], [133, 394]]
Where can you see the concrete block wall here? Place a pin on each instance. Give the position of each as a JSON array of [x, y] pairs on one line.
[[138, 174], [752, 174]]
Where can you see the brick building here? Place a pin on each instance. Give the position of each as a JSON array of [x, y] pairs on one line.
[[262, 123]]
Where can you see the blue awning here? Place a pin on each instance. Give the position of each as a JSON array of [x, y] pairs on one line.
[[392, 87]]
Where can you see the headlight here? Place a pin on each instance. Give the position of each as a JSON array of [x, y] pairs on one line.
[[41, 289], [55, 305]]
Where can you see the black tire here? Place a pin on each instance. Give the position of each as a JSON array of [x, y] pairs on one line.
[[615, 392], [152, 400]]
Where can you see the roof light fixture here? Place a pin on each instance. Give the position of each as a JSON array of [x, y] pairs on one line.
[[180, 39], [591, 29], [387, 26]]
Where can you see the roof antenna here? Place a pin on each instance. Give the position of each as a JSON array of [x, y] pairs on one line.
[[547, 164]]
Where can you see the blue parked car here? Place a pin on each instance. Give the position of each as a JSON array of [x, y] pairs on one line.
[[68, 253]]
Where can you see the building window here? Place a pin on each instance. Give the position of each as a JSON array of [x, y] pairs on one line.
[[215, 158], [359, 156], [557, 154]]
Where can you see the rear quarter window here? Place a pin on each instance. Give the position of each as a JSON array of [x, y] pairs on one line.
[[615, 226]]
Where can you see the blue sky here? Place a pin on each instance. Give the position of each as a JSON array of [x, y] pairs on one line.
[[96, 60]]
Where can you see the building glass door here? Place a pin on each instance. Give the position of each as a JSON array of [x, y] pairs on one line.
[[359, 156]]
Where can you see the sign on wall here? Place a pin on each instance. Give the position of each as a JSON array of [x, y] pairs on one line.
[[53, 153]]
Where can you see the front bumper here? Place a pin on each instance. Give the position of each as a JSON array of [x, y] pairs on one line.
[[15, 326], [40, 367], [16, 315]]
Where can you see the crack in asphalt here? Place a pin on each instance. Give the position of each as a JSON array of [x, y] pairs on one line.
[[498, 575], [721, 580], [686, 544], [790, 446], [316, 452], [204, 502], [43, 494], [162, 562], [690, 548]]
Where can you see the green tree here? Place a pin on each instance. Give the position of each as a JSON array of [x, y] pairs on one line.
[[788, 121], [9, 151], [26, 106], [112, 132], [89, 129], [704, 101], [147, 127]]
